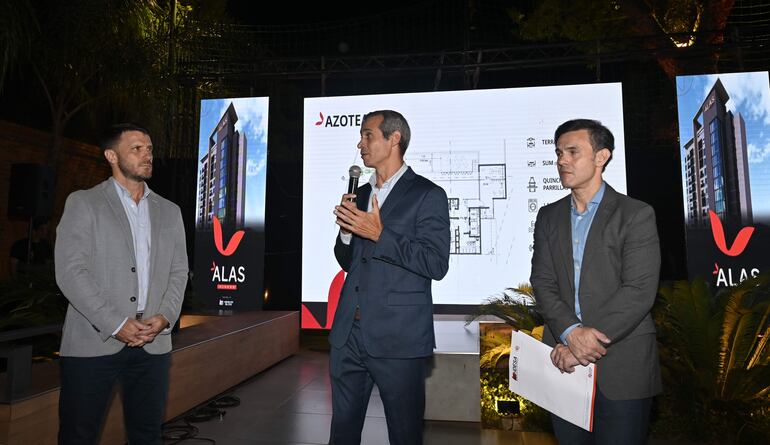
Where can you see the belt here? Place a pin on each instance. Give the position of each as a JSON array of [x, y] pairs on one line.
[[139, 315]]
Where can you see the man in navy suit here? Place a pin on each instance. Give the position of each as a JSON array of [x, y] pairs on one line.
[[393, 240], [595, 270]]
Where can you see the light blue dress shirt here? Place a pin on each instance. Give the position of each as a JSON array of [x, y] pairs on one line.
[[581, 224], [138, 215]]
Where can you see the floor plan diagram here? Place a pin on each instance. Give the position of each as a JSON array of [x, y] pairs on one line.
[[472, 189]]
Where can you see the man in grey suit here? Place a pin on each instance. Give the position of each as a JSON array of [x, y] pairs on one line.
[[595, 271], [121, 261]]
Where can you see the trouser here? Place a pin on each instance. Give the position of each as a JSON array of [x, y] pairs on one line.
[[88, 382], [401, 383], [615, 422]]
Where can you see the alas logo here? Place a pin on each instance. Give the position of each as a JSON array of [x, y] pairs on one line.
[[740, 243], [725, 276], [232, 246], [339, 120], [226, 279]]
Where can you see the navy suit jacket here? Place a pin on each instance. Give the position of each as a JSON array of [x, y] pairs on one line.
[[618, 285], [390, 280]]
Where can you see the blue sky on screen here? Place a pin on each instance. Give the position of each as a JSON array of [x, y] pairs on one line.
[[750, 96], [252, 120]]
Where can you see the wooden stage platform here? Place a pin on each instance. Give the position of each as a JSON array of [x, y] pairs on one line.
[[211, 354]]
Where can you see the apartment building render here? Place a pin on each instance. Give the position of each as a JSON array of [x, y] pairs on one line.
[[222, 175], [716, 164]]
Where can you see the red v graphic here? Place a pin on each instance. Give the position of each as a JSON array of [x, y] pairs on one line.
[[741, 240], [234, 241]]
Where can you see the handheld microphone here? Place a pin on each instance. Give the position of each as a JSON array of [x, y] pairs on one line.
[[354, 173]]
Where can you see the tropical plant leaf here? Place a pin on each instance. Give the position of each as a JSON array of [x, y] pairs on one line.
[[490, 357], [515, 307]]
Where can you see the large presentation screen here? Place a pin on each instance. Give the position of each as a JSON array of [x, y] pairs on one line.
[[724, 135], [230, 204], [491, 150]]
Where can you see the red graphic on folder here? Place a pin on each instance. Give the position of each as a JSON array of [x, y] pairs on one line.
[[232, 246], [741, 240], [320, 121]]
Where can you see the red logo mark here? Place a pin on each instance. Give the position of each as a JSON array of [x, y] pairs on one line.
[[335, 289], [716, 269], [741, 240], [234, 241], [321, 121]]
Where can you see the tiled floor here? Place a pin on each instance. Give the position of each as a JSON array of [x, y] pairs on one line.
[[290, 404]]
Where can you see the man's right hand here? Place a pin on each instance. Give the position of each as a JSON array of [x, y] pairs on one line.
[[587, 344], [129, 333]]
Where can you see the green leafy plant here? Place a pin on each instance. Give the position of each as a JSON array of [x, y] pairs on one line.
[[515, 307], [715, 360]]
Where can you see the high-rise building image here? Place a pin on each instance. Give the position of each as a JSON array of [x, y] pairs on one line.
[[716, 164], [223, 175]]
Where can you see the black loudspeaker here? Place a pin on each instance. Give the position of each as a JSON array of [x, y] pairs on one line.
[[30, 191]]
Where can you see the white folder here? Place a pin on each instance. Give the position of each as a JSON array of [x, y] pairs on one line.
[[532, 376]]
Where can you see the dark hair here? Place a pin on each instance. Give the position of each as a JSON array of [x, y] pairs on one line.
[[113, 133], [599, 135], [393, 121]]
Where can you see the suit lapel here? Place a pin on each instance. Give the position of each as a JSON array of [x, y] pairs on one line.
[[362, 197], [155, 227], [113, 200], [603, 213], [399, 190], [564, 229]]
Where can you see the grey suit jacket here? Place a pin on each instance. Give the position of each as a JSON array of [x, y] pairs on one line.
[[95, 269], [618, 285]]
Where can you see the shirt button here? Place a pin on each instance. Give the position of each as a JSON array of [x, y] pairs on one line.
[[577, 241], [363, 260], [356, 288], [132, 299], [133, 269]]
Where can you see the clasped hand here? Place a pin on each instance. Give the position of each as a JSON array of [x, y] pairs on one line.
[[351, 219], [586, 345], [136, 333]]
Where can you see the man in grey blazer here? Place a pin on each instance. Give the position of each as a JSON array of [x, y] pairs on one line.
[[121, 261], [595, 271]]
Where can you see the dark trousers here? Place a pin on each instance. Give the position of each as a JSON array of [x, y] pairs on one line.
[[401, 383], [615, 422], [88, 382]]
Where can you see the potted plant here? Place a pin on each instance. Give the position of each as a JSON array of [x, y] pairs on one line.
[[515, 308]]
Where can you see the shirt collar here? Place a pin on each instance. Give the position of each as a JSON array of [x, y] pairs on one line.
[[595, 200], [124, 191], [392, 180]]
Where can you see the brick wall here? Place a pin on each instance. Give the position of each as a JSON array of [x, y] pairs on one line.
[[83, 166]]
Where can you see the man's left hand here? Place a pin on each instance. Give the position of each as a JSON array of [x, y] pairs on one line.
[[152, 326], [562, 358], [364, 224], [587, 344]]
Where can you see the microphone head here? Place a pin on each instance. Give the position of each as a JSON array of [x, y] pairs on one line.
[[355, 171]]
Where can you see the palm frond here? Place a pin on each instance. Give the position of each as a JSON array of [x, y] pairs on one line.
[[515, 307]]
